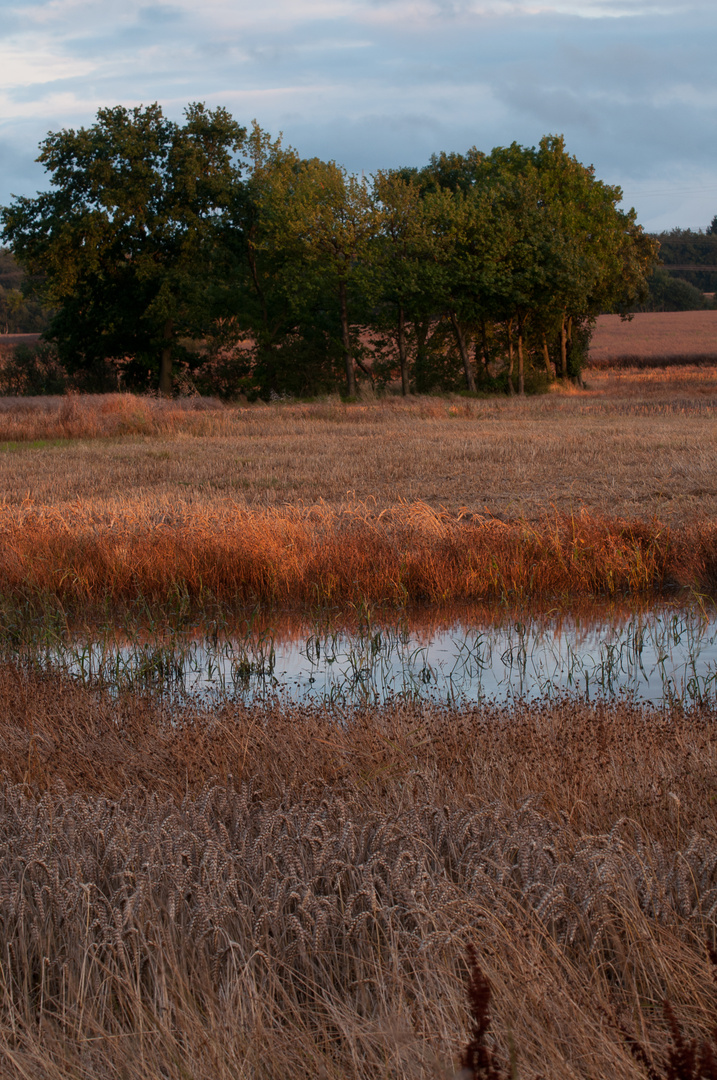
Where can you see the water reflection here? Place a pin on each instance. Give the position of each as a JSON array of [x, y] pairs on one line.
[[661, 656]]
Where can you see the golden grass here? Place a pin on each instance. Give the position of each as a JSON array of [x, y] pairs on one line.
[[579, 493], [257, 892], [321, 556], [635, 445]]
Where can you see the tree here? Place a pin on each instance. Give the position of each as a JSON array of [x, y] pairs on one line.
[[403, 270], [325, 218], [573, 254], [129, 238]]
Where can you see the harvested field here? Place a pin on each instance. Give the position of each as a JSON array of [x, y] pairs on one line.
[[655, 339], [269, 892], [634, 445]]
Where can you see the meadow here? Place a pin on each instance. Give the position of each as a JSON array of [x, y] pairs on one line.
[[225, 889]]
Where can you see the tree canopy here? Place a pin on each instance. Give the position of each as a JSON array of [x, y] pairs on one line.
[[265, 273], [129, 238]]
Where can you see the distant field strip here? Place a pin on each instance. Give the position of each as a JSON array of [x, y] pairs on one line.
[[655, 338]]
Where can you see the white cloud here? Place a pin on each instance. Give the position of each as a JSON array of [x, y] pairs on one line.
[[38, 66]]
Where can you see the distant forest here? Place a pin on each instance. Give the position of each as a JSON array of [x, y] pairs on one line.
[[205, 256]]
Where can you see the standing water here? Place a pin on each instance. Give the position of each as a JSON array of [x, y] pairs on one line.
[[662, 656]]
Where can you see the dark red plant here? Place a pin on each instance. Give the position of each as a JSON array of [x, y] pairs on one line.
[[478, 1060]]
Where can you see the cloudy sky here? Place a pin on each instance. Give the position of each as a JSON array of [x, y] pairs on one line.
[[376, 83]]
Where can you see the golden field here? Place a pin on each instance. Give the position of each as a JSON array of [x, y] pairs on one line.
[[600, 491], [635, 444], [264, 891], [655, 338]]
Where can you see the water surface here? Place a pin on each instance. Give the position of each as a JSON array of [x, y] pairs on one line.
[[661, 655]]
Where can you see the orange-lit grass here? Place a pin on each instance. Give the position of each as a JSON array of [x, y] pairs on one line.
[[91, 416], [319, 555]]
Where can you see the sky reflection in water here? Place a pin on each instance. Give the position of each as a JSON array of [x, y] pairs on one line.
[[659, 656]]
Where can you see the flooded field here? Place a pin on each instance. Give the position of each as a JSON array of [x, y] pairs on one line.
[[664, 655]]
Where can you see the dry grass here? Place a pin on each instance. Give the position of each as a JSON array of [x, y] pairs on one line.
[[430, 499], [655, 338], [257, 893], [321, 556], [636, 445]]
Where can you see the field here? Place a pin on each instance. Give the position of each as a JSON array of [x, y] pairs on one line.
[[577, 493], [225, 890], [655, 339]]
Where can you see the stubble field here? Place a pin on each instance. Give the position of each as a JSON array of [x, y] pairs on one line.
[[581, 493]]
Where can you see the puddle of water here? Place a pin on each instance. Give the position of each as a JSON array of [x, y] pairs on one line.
[[659, 656]]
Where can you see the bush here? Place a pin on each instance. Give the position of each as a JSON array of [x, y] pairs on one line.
[[33, 370]]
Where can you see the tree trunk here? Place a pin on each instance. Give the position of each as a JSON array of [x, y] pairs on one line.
[[346, 339], [521, 363], [484, 345], [403, 358], [467, 369], [511, 388], [563, 349], [546, 357], [578, 379], [165, 360], [422, 329]]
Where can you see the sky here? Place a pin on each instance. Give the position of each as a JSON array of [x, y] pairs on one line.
[[632, 85]]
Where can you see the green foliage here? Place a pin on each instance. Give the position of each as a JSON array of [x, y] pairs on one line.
[[257, 272], [128, 238], [670, 293], [19, 312], [687, 250]]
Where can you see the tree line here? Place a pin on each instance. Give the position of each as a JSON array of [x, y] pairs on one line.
[[207, 254]]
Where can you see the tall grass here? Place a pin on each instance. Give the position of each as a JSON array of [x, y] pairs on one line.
[[260, 893], [320, 555], [90, 416], [647, 389]]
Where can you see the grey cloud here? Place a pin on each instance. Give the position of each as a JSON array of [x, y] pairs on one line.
[[372, 93]]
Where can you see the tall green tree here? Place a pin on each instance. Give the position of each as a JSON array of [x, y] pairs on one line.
[[129, 239], [404, 266], [325, 219]]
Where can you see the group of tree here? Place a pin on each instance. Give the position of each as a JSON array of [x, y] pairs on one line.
[[214, 254], [20, 313], [691, 255], [668, 291]]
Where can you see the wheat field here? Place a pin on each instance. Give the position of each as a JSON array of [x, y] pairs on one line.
[[263, 892], [583, 492], [655, 339], [635, 444]]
